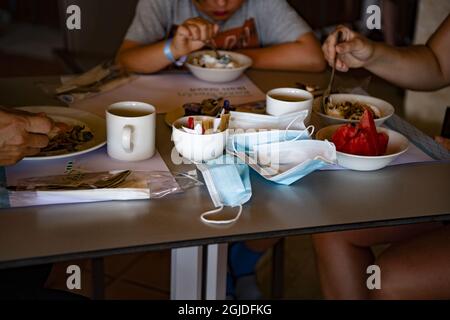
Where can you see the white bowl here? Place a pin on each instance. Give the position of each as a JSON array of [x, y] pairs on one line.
[[397, 145], [386, 109], [219, 75], [197, 148]]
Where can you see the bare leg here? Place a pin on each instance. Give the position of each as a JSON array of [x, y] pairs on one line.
[[416, 269], [343, 257], [342, 265]]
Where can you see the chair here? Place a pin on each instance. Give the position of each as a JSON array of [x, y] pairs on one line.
[[445, 132]]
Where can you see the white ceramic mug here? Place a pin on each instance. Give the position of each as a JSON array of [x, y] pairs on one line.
[[287, 100], [131, 129]]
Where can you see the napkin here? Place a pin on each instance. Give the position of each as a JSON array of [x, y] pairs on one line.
[[100, 79]]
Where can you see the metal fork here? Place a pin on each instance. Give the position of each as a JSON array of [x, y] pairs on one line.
[[112, 181], [327, 93]]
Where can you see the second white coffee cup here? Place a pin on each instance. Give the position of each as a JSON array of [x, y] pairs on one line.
[[131, 129], [287, 100]]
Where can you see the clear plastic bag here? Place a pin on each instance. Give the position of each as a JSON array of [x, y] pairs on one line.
[[162, 184], [100, 186]]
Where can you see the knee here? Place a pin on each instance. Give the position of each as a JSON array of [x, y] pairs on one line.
[[330, 238], [392, 282], [320, 238], [324, 242]]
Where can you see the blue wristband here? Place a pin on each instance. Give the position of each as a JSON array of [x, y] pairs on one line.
[[168, 52]]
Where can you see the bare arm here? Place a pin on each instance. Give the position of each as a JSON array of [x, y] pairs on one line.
[[136, 57], [425, 67], [302, 55], [190, 36]]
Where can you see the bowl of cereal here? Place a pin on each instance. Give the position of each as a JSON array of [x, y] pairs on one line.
[[348, 108], [225, 66]]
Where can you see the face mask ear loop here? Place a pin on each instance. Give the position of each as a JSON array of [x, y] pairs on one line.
[[311, 127], [204, 216], [234, 147], [330, 144], [188, 176], [333, 147], [236, 153], [290, 125]]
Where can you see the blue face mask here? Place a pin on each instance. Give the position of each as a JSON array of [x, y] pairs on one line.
[[228, 182], [283, 157]]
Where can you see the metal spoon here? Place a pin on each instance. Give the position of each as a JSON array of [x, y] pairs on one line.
[[327, 93], [212, 45]]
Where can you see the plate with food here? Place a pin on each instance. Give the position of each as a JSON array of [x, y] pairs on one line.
[[349, 108], [363, 146], [75, 132], [217, 66]]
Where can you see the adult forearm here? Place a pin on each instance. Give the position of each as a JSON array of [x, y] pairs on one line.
[[143, 59], [289, 56], [415, 68]]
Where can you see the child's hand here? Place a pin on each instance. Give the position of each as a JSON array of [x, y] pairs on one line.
[[192, 35], [354, 51]]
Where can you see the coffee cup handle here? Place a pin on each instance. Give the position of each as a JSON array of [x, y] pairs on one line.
[[127, 144]]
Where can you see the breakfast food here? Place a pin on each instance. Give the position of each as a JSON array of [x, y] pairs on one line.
[[212, 107], [214, 61], [208, 107], [350, 110], [361, 139], [65, 138]]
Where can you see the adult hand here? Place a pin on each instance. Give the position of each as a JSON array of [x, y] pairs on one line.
[[354, 50], [22, 134], [444, 142], [192, 35]]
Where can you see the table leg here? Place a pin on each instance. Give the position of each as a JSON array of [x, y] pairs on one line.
[[186, 274], [278, 270], [98, 279], [216, 271]]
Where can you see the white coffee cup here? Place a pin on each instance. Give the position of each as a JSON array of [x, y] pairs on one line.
[[131, 129], [281, 101]]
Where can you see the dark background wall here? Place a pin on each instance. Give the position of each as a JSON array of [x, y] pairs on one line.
[[104, 22], [43, 12]]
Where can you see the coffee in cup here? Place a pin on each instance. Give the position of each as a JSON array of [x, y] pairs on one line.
[[287, 100]]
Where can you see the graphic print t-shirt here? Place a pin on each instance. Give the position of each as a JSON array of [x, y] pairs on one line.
[[258, 23]]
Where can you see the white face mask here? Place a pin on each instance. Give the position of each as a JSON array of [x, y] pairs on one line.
[[244, 120], [228, 183], [290, 153], [279, 156]]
